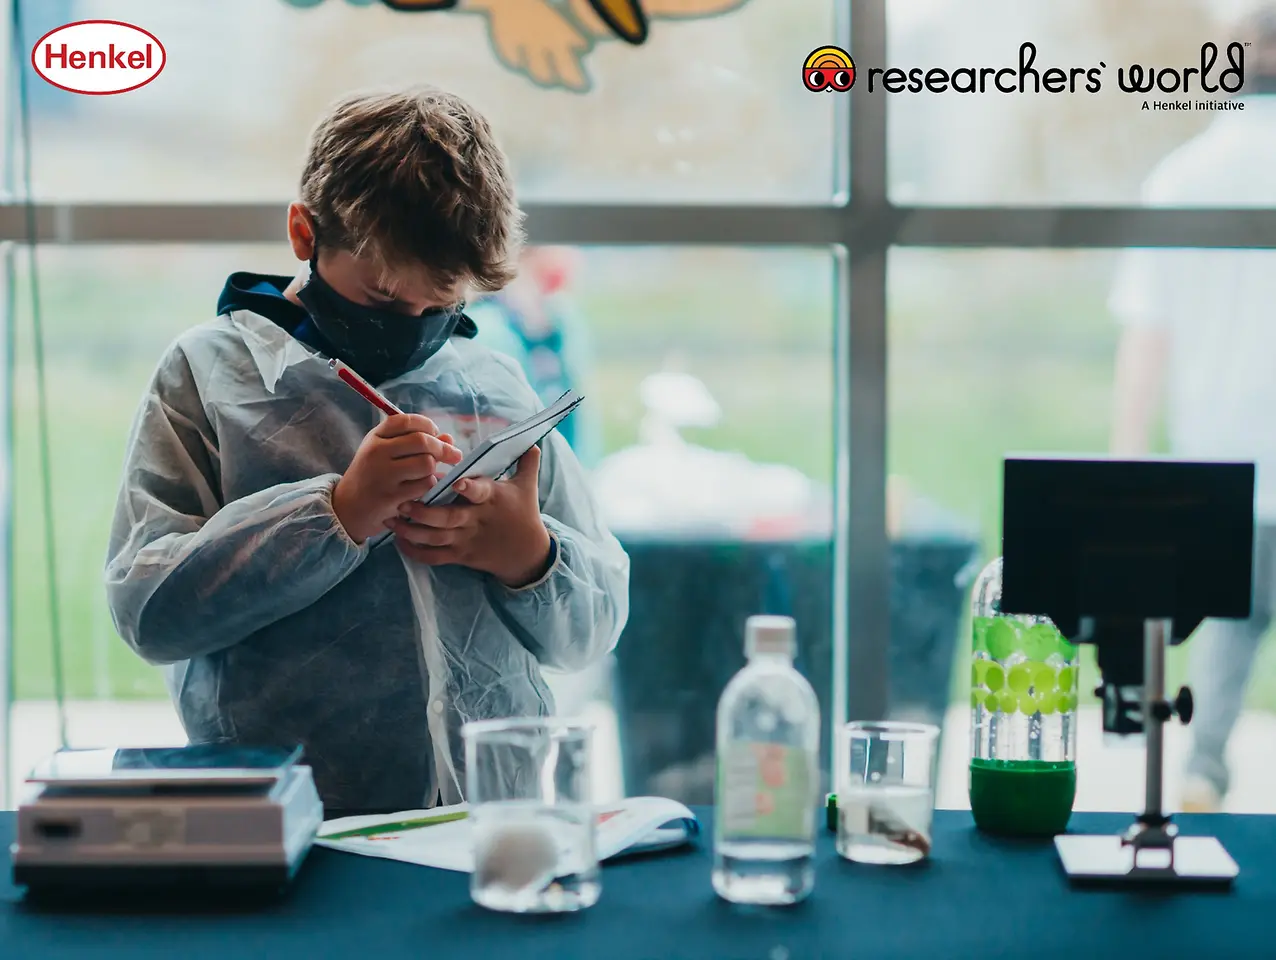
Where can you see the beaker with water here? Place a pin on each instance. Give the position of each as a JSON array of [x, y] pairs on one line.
[[528, 786]]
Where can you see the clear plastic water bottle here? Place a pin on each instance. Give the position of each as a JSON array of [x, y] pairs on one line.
[[1023, 718], [768, 773]]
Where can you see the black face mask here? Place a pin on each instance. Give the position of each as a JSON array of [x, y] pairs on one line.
[[379, 344]]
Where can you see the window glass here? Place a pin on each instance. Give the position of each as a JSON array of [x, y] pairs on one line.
[[710, 109], [1083, 147], [999, 351], [707, 428]]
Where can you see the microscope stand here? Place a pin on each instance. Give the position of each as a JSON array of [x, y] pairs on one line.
[[1150, 852]]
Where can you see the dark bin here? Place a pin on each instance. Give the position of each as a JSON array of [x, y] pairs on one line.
[[684, 641]]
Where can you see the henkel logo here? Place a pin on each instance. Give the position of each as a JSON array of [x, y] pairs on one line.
[[98, 57]]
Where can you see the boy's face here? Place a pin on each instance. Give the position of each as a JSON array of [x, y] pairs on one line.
[[408, 290]]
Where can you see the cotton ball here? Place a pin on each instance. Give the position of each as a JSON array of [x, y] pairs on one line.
[[516, 857]]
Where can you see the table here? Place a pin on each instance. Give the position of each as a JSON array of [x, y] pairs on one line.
[[979, 898]]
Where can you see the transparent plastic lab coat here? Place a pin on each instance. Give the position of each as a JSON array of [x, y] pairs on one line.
[[228, 566]]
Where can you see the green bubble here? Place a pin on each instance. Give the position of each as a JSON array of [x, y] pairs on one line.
[[1002, 638], [1046, 641], [990, 702], [976, 698], [1020, 677], [978, 672], [1067, 703], [1039, 641], [979, 634], [1043, 678], [994, 677], [1008, 701], [1048, 702], [1067, 679], [1028, 703]]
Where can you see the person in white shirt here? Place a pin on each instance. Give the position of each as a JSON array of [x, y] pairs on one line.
[[1199, 335]]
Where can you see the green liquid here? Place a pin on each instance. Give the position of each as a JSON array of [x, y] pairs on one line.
[[1022, 798]]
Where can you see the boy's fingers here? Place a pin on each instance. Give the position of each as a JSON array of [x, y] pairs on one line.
[[444, 449], [442, 518], [476, 489], [412, 490], [411, 470], [400, 424], [421, 536], [418, 444], [529, 466]]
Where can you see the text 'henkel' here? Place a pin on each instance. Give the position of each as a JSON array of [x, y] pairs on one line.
[[112, 58]]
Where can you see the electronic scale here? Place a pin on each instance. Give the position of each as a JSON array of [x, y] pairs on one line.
[[174, 819]]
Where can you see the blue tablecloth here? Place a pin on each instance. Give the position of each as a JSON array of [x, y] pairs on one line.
[[978, 898]]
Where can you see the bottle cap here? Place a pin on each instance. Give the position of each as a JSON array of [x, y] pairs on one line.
[[770, 635]]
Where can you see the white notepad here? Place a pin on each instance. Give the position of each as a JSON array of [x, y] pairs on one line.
[[630, 826], [498, 454]]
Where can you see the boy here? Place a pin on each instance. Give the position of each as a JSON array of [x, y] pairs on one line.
[[268, 548]]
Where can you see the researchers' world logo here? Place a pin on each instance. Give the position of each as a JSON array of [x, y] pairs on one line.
[[1216, 77], [828, 68], [98, 57]]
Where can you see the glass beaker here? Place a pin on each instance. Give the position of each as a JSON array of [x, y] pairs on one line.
[[531, 810], [886, 776], [1023, 718]]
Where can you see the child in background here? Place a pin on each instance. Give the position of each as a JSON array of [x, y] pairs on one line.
[[247, 554], [533, 321]]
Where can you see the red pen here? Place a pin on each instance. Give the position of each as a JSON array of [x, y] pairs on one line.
[[363, 388]]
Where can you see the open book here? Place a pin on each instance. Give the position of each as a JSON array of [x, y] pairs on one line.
[[498, 454], [442, 837]]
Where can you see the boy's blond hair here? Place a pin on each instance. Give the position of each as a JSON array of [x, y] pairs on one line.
[[414, 177]]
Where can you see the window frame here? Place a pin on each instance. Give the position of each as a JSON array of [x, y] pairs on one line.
[[860, 226]]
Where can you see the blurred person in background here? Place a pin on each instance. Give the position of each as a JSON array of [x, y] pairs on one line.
[[534, 321], [1199, 336]]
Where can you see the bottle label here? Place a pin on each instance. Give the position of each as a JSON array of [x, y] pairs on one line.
[[766, 791]]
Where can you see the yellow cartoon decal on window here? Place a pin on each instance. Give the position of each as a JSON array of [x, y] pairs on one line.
[[420, 4], [547, 41], [625, 18]]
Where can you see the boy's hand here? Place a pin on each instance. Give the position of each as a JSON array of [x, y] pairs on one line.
[[395, 462], [498, 530]]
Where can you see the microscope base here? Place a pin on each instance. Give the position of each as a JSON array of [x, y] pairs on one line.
[[1196, 862]]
